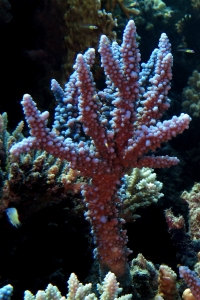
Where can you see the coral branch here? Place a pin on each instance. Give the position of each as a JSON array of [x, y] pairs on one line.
[[103, 134]]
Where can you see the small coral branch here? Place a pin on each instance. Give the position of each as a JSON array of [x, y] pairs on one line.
[[192, 281]]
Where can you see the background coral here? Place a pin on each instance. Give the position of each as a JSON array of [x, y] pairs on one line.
[[191, 95], [193, 200], [34, 180], [139, 189]]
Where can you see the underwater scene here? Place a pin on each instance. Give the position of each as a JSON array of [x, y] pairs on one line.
[[100, 149]]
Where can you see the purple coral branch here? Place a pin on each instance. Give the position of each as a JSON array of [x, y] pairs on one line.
[[192, 281]]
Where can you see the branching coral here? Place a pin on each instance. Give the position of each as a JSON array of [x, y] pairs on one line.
[[103, 145], [109, 290], [139, 189], [35, 179], [38, 179]]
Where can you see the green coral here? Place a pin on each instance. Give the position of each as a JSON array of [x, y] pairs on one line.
[[142, 189]]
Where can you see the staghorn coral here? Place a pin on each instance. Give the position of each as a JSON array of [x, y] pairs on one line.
[[33, 180], [139, 189], [108, 290], [28, 165], [104, 145], [22, 176]]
